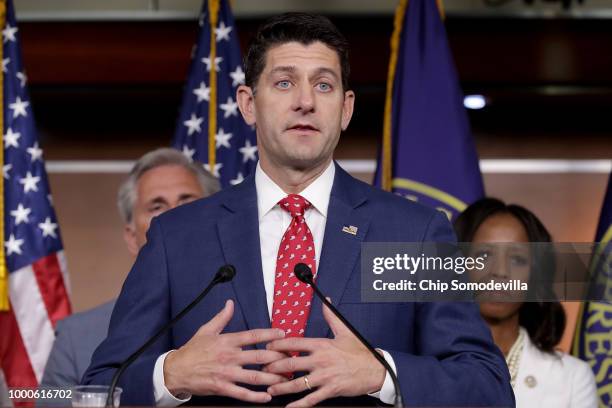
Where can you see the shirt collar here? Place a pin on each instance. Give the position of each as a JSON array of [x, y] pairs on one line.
[[317, 193]]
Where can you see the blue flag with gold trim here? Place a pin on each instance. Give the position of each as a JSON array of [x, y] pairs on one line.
[[428, 153], [593, 340], [210, 128]]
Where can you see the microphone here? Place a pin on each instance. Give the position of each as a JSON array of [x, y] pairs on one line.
[[304, 274], [224, 274]]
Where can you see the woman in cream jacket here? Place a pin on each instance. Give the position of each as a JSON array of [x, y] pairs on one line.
[[525, 331]]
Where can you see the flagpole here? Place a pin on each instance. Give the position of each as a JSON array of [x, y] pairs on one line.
[[4, 296], [213, 13], [386, 175], [440, 5]]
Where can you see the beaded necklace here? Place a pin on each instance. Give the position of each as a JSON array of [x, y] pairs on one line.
[[513, 358]]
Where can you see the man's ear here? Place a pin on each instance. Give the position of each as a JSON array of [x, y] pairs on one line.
[[246, 103], [347, 108], [129, 236]]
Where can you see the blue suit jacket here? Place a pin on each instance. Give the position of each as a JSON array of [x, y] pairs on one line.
[[443, 351]]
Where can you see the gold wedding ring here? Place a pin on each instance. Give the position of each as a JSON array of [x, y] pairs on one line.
[[307, 383]]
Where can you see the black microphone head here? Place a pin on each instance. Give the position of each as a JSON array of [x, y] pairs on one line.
[[303, 273], [225, 273]]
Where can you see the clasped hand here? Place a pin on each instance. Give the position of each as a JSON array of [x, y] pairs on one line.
[[211, 363]]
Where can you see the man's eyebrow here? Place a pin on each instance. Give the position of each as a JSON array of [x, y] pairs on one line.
[[157, 200], [291, 69], [282, 69], [324, 70]]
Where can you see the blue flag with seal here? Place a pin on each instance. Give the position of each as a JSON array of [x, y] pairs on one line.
[[593, 338], [428, 154], [210, 128]]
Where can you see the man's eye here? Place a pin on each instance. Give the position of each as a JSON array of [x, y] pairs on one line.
[[283, 84], [325, 87], [156, 208]]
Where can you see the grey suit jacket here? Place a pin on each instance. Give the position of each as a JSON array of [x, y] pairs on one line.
[[76, 338]]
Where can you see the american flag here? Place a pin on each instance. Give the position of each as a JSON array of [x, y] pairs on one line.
[[199, 127], [33, 252]]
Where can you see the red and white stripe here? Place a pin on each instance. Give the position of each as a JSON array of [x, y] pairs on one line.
[[39, 297]]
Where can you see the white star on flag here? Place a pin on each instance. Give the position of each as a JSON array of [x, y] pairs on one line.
[[10, 138], [188, 152], [237, 76], [21, 214], [9, 33], [13, 246], [229, 108], [203, 92], [193, 124], [23, 79], [222, 139], [19, 107], [222, 33], [206, 60], [215, 170], [5, 170], [48, 228], [35, 151], [29, 182], [248, 151], [239, 179], [5, 62]]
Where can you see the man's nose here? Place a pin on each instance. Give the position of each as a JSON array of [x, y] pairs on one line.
[[305, 98]]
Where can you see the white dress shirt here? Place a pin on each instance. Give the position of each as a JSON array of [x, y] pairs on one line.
[[273, 222]]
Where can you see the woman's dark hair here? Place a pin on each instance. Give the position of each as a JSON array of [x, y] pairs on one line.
[[544, 321], [303, 28]]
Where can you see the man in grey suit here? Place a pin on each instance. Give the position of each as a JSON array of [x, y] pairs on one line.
[[160, 180]]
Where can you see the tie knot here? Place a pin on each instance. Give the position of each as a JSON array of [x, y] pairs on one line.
[[295, 204]]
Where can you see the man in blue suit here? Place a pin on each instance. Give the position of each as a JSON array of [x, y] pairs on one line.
[[230, 349]]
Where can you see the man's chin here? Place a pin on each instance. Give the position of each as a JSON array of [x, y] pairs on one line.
[[305, 161]]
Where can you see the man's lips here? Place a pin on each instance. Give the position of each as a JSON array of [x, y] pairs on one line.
[[303, 127]]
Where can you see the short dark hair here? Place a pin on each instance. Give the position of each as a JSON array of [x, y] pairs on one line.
[[304, 28], [544, 321]]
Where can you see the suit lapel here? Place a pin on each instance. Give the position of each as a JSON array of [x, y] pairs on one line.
[[239, 237], [340, 250]]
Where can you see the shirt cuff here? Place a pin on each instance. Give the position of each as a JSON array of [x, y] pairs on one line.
[[387, 393], [163, 397]]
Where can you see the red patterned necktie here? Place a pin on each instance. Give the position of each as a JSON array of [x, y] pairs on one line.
[[291, 297]]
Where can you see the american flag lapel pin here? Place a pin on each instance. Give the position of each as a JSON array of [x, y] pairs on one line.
[[351, 229]]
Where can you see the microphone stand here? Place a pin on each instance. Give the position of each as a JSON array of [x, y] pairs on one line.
[[304, 274], [225, 274]]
